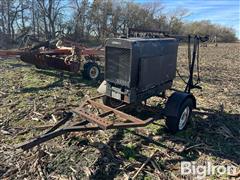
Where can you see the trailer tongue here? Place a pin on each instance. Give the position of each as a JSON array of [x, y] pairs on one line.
[[102, 120]]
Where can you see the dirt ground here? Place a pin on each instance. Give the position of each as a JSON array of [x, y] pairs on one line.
[[29, 97]]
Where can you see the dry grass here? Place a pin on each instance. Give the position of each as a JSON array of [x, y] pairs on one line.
[[28, 98]]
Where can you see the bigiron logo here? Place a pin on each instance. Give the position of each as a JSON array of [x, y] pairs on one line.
[[207, 169]]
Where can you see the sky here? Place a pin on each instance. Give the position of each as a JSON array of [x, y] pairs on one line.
[[224, 12]]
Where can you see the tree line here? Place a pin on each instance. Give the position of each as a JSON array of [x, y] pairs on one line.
[[85, 20]]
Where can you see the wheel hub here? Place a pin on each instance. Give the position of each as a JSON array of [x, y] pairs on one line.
[[94, 72], [184, 118]]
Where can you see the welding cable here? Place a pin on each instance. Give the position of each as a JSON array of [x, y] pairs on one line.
[[179, 75], [189, 60], [202, 39]]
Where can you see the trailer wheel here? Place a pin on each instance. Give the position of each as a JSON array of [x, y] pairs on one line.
[[179, 123], [91, 71], [111, 102]]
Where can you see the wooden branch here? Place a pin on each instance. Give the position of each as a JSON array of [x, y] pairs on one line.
[[144, 164]]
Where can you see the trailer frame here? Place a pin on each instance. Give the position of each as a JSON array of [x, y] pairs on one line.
[[98, 116]]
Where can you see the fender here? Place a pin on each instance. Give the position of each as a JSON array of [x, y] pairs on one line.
[[175, 101]]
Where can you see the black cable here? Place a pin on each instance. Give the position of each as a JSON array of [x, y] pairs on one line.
[[181, 76], [189, 60]]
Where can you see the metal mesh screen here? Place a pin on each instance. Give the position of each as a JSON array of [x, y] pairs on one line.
[[118, 65]]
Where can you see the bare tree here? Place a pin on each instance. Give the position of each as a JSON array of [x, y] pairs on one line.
[[49, 11], [97, 19]]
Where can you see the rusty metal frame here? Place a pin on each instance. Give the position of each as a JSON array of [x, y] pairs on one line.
[[91, 122]]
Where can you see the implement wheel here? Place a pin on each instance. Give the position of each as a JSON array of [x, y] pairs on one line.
[[179, 123], [91, 71]]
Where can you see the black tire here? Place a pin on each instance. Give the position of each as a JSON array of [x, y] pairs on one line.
[[91, 71], [108, 101], [173, 123]]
